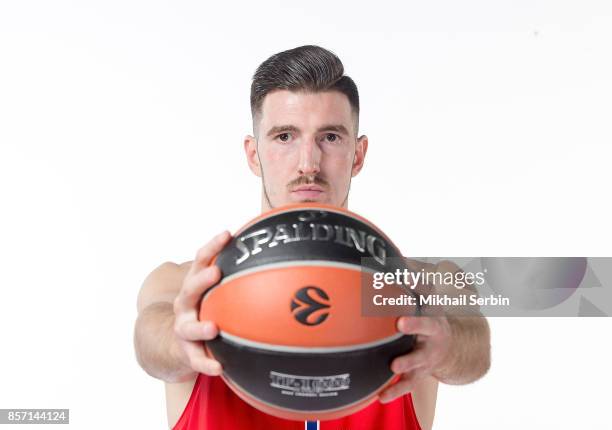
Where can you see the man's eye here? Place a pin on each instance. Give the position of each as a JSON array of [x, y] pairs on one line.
[[284, 137], [331, 137]]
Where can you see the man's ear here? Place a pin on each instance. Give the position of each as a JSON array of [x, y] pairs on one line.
[[361, 147], [250, 150]]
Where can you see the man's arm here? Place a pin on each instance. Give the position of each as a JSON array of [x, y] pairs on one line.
[[168, 338], [469, 353], [453, 349], [154, 341]]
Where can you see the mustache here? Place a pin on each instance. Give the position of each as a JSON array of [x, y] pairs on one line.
[[308, 180]]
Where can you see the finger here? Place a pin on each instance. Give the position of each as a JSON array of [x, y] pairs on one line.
[[195, 285], [412, 360], [427, 326], [406, 384], [196, 330], [206, 253], [200, 362]]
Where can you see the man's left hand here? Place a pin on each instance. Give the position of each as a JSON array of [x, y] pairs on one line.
[[433, 344]]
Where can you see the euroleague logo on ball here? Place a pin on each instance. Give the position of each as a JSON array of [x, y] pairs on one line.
[[310, 305]]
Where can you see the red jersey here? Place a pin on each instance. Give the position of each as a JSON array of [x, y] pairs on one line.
[[214, 406]]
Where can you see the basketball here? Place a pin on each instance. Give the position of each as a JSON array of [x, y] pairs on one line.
[[292, 339]]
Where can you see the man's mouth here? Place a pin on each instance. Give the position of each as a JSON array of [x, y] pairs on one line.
[[307, 191]]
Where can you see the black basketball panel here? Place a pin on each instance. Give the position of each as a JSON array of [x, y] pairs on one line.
[[307, 235], [307, 382]]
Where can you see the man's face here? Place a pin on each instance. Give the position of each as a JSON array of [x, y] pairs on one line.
[[306, 149]]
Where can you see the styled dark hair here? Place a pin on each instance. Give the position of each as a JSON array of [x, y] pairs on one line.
[[305, 68]]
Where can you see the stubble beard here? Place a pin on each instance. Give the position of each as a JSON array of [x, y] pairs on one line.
[[267, 196], [271, 206]]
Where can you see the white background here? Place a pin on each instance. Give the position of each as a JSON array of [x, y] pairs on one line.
[[121, 127]]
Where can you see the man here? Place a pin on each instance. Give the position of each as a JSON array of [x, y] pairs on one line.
[[305, 149]]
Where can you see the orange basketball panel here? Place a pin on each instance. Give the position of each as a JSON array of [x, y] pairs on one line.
[[258, 307]]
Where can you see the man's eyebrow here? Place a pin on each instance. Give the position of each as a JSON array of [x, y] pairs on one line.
[[285, 128], [281, 129], [334, 127]]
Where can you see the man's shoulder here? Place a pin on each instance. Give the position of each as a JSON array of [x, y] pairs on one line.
[[170, 268], [167, 270], [184, 266], [162, 284], [173, 271]]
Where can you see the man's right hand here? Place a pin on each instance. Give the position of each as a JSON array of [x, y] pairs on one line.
[[189, 332]]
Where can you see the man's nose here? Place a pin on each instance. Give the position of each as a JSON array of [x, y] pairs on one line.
[[310, 157]]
